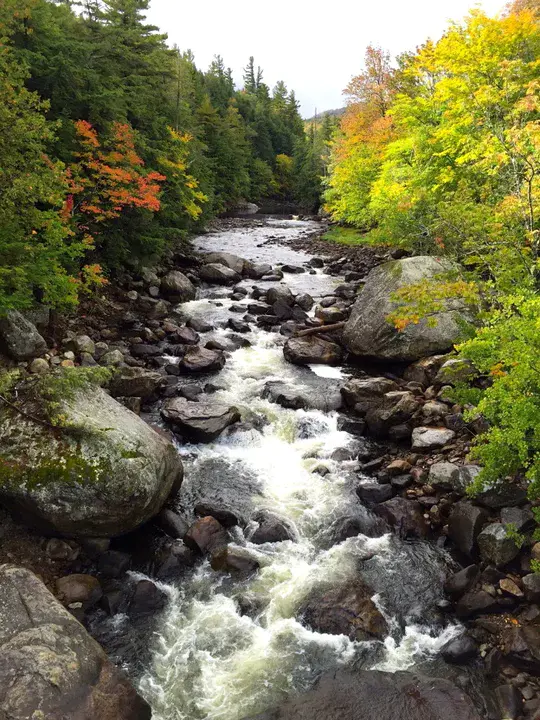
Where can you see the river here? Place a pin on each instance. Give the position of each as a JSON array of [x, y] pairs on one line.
[[225, 649]]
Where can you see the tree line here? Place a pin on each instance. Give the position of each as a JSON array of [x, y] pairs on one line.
[[113, 145], [439, 153]]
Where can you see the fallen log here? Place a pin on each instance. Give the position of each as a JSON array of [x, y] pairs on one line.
[[321, 329]]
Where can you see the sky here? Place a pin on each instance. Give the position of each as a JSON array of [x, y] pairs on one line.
[[314, 46]]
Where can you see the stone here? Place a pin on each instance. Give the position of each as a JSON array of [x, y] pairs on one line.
[[448, 476], [424, 370], [176, 287], [460, 582], [310, 392], [61, 550], [405, 515], [371, 694], [311, 350], [111, 476], [113, 563], [428, 438], [373, 493], [345, 610], [505, 494], [201, 421], [214, 508], [496, 546], [531, 586], [476, 603], [219, 274], [79, 588], [353, 426], [112, 358], [509, 587], [455, 370], [271, 529], [199, 324], [135, 382], [147, 599], [330, 315], [81, 344], [395, 408], [206, 535], [199, 359], [172, 523], [234, 262], [398, 467], [368, 332], [238, 325], [51, 667], [19, 337], [464, 525], [459, 650], [282, 310], [521, 519], [256, 271], [184, 336], [279, 292], [234, 560], [39, 366], [509, 701], [363, 522], [365, 393], [305, 301]]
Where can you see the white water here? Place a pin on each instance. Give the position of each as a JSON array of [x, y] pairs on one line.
[[213, 661]]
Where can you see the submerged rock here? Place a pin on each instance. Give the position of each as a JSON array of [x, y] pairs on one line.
[[206, 535], [312, 350], [272, 529], [371, 694], [51, 667], [202, 421], [108, 474], [368, 332]]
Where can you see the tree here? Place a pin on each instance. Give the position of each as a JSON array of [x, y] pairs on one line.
[[374, 85]]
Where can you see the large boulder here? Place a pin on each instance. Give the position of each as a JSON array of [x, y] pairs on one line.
[[365, 393], [311, 392], [496, 545], [345, 610], [312, 350], [368, 333], [19, 337], [369, 694], [50, 668], [234, 262], [395, 408], [135, 382], [200, 359], [464, 525], [220, 274], [177, 287], [105, 474], [200, 421]]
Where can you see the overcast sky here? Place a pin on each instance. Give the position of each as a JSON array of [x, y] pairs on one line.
[[315, 47]]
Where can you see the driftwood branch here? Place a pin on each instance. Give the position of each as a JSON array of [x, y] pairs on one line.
[[321, 329]]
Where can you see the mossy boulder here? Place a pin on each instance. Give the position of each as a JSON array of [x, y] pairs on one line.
[[368, 333], [104, 473]]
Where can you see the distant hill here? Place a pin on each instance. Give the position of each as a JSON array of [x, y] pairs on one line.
[[338, 112]]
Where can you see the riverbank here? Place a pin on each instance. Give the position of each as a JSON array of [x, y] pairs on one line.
[[308, 534]]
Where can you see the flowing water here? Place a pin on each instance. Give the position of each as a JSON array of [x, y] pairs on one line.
[[226, 649]]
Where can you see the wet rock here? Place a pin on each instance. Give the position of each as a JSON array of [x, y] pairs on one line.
[[519, 518], [476, 603], [172, 523], [135, 382], [404, 515], [279, 292], [346, 610], [111, 476], [424, 371], [293, 269], [206, 535], [176, 287], [305, 301], [362, 394], [509, 701], [61, 550], [226, 517], [172, 561], [395, 408], [79, 588], [113, 563], [202, 421], [235, 560], [311, 392], [199, 324], [238, 325], [312, 350], [368, 332], [509, 587], [331, 314], [496, 546], [184, 336], [282, 310], [364, 522], [272, 529], [505, 494], [460, 582], [256, 271], [428, 438], [219, 274], [531, 586], [19, 337], [370, 694], [464, 525], [198, 359], [449, 476], [459, 650], [147, 599], [373, 493], [51, 667], [234, 262], [353, 426]]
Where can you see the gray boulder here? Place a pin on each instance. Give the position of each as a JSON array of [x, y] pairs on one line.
[[220, 274], [200, 359], [312, 350], [464, 525], [201, 421], [431, 438], [449, 476], [50, 667], [177, 287], [365, 393], [368, 332], [496, 545], [135, 382], [311, 392], [395, 408], [279, 292], [105, 475], [19, 337], [233, 262]]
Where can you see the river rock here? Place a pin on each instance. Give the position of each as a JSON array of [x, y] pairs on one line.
[[459, 582], [79, 588], [206, 535], [201, 421], [459, 650], [177, 287], [234, 262], [369, 694], [503, 494], [279, 292], [496, 546], [305, 301], [219, 274], [19, 337], [271, 529], [235, 560], [531, 586], [147, 598], [362, 522], [476, 603], [135, 382], [395, 408], [312, 350], [256, 271], [346, 610], [331, 315], [455, 370], [464, 525], [172, 523], [449, 476], [51, 668], [106, 479], [405, 515], [431, 438], [365, 393], [199, 359], [368, 332], [309, 392], [423, 371], [373, 493]]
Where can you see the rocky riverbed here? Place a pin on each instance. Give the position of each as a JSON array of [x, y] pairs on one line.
[[281, 528]]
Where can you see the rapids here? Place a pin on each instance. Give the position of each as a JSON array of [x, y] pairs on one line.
[[225, 649]]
